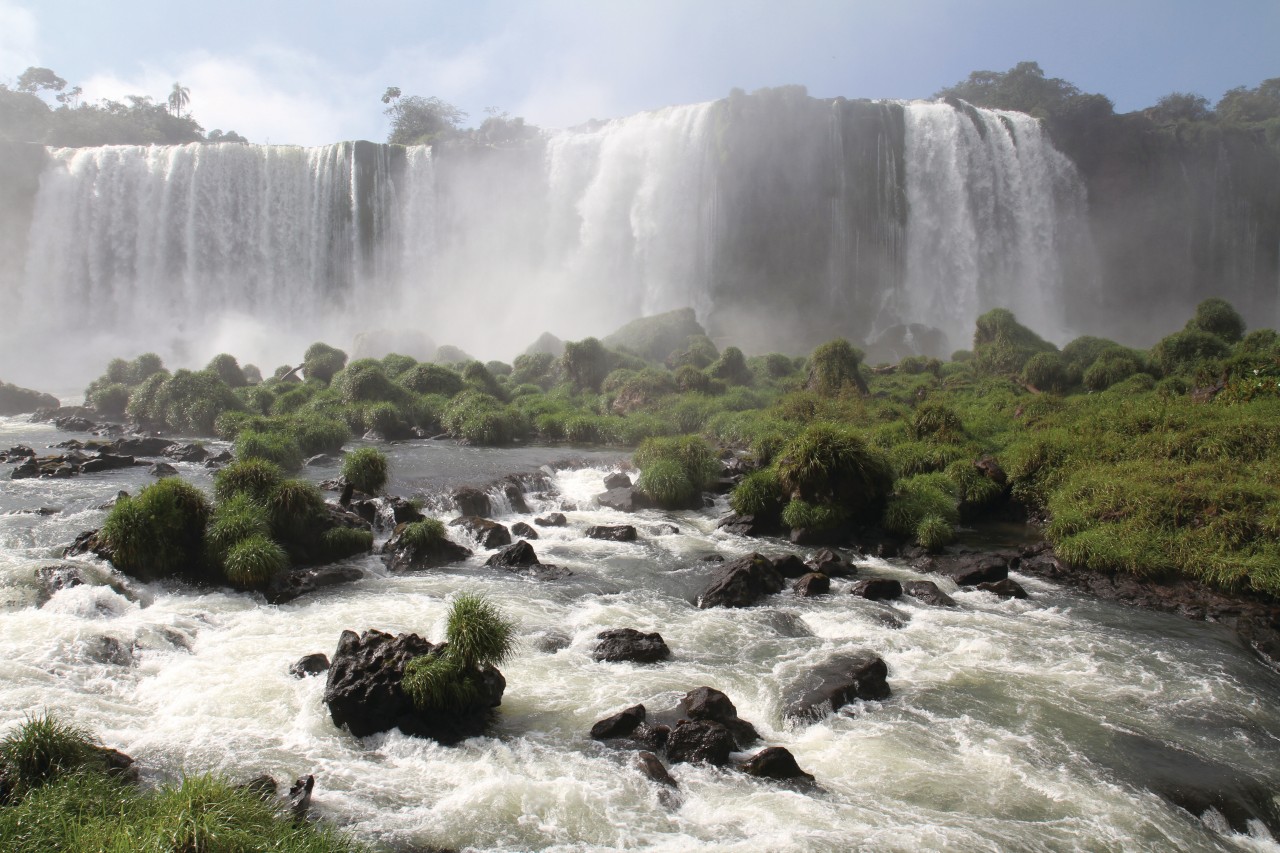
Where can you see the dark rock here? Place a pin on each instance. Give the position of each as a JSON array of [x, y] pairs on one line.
[[142, 445], [707, 703], [299, 798], [775, 762], [878, 589], [970, 569], [804, 537], [624, 500], [555, 519], [617, 480], [662, 530], [363, 691], [517, 555], [312, 664], [618, 725], [295, 583], [490, 534], [162, 469], [75, 423], [713, 558], [523, 530], [401, 511], [741, 583], [55, 578], [835, 684], [263, 786], [222, 457], [16, 400], [1005, 589], [118, 764], [648, 736], [107, 462], [991, 469], [515, 497], [812, 584], [750, 525], [549, 642], [472, 501], [928, 593], [628, 644], [87, 542], [187, 453], [790, 566], [612, 532], [653, 769], [400, 556], [700, 742], [831, 564]]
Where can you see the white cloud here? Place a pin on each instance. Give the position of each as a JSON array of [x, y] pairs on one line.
[[19, 38]]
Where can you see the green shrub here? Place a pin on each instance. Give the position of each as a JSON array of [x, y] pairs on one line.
[[1183, 352], [917, 498], [254, 477], [690, 379], [363, 381], [814, 517], [109, 401], [295, 398], [934, 533], [386, 419], [366, 469], [338, 543], [1046, 371], [1217, 317], [395, 365], [697, 352], [665, 481], [294, 508], [833, 368], [536, 368], [421, 536], [585, 363], [731, 368], [189, 403], [478, 376], [476, 635], [775, 365], [481, 419], [42, 750], [234, 520], [970, 486], [828, 464], [160, 532], [257, 399], [251, 562], [142, 368], [690, 452], [1111, 365], [277, 447], [936, 421], [759, 494], [323, 362], [226, 368], [315, 433], [962, 356], [1002, 345], [432, 379]]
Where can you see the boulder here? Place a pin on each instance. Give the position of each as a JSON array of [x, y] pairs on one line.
[[105, 461], [990, 468], [707, 703], [927, 592], [517, 555], [624, 500], [401, 510], [878, 589], [515, 497], [970, 569], [186, 453], [286, 586], [835, 684], [700, 742], [472, 501], [662, 530], [653, 769], [523, 530], [628, 644], [490, 534], [363, 690], [612, 532], [790, 566], [741, 583], [142, 445], [811, 585], [555, 519], [16, 400], [299, 796], [831, 564], [162, 469], [775, 762], [617, 480], [312, 664], [750, 525], [618, 725], [1005, 589], [400, 556]]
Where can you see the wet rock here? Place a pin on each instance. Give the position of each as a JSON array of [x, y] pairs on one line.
[[217, 460], [713, 558], [878, 589], [831, 564], [549, 642], [490, 534], [187, 453], [312, 664], [617, 480], [628, 644], [647, 736], [514, 556], [515, 496], [263, 786], [653, 769], [401, 556], [142, 445], [299, 797], [750, 525], [555, 519], [75, 423], [970, 569], [295, 583], [741, 583], [56, 578], [618, 725], [811, 585], [87, 542], [1005, 589], [836, 683], [107, 462], [612, 532], [162, 469], [700, 742], [362, 691], [401, 510], [775, 762], [472, 501], [118, 764], [523, 530], [990, 468], [707, 703], [662, 530], [790, 566], [624, 500], [928, 592], [108, 650]]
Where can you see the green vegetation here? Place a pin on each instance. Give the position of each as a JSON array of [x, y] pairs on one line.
[[366, 469], [675, 471], [65, 797], [477, 635], [160, 532]]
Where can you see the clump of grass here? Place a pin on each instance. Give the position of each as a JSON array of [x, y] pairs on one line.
[[827, 464], [934, 533], [277, 447], [759, 494], [160, 532], [238, 518], [677, 469], [814, 517], [254, 477], [477, 635], [338, 543], [366, 469], [421, 536], [665, 481], [42, 750], [252, 561], [294, 508], [917, 498]]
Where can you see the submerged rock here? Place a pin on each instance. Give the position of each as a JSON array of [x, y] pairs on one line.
[[624, 500], [555, 519], [653, 769], [790, 566], [612, 532], [970, 569], [490, 534], [1006, 588], [402, 556], [472, 501], [520, 557], [628, 644], [831, 564], [741, 583], [836, 683], [312, 664], [296, 583], [927, 592]]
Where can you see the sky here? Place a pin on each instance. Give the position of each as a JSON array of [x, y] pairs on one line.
[[311, 72]]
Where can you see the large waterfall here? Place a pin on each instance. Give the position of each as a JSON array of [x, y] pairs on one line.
[[782, 221]]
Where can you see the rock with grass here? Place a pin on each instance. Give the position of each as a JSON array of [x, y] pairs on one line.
[[421, 545]]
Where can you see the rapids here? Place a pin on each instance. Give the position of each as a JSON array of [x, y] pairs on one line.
[[1007, 728]]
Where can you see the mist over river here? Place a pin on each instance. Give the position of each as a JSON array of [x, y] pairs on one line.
[[1037, 725]]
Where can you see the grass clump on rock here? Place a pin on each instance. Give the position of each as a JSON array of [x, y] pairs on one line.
[[251, 562], [477, 636], [675, 470], [366, 469], [342, 542], [42, 750], [160, 532], [277, 447], [257, 478]]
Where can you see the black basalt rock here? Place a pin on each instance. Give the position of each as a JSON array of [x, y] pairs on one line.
[[741, 583], [836, 683], [775, 762], [700, 742], [628, 644]]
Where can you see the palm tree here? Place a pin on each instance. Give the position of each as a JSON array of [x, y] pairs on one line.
[[179, 97]]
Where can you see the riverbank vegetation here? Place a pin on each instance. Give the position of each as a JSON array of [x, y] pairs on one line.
[[1157, 462]]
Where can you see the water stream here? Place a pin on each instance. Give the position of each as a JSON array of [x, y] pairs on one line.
[[1007, 729]]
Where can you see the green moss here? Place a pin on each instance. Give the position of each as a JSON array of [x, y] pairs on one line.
[[366, 469], [1002, 345], [833, 369]]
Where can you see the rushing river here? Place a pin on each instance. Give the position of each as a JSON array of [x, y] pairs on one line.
[[1013, 725]]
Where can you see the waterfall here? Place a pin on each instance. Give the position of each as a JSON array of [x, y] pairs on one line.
[[782, 220]]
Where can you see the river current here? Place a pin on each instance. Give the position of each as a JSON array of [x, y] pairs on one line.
[[1013, 725]]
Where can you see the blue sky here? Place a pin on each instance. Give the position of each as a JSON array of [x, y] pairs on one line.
[[313, 72]]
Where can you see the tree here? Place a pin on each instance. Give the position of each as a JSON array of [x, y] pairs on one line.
[[179, 97], [70, 97], [1241, 105], [1180, 106], [416, 120], [34, 79]]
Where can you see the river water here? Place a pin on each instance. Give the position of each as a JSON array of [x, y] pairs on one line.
[[1014, 725]]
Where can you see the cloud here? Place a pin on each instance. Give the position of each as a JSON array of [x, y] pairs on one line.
[[19, 37]]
